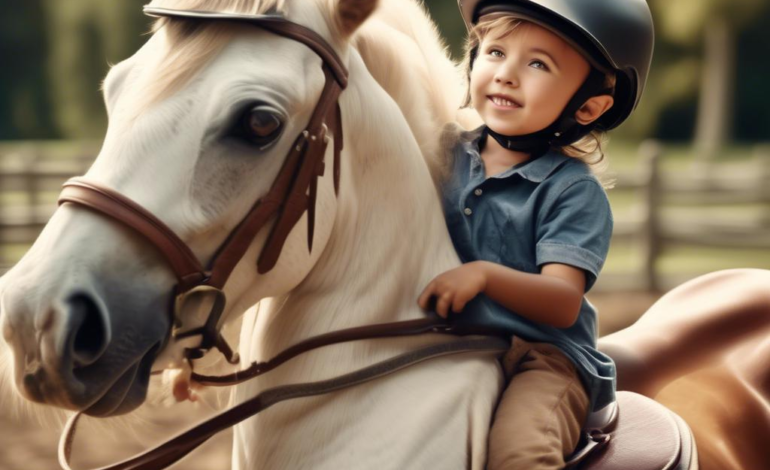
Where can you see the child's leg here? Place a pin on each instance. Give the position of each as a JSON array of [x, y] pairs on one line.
[[541, 413]]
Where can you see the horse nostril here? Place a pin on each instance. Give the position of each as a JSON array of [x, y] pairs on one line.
[[89, 330]]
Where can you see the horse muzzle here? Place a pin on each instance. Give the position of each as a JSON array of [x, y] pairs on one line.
[[72, 349]]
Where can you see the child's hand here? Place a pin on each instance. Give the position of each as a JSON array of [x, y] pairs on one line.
[[454, 288]]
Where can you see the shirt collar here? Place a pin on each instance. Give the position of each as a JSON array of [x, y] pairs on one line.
[[533, 170]]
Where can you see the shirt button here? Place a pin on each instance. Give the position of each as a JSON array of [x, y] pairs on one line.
[[468, 211], [478, 192]]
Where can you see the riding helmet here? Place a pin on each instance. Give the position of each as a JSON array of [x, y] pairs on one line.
[[613, 35]]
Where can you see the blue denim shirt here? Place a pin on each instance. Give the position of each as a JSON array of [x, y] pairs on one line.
[[547, 210]]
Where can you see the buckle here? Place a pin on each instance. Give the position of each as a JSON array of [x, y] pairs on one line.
[[211, 336]]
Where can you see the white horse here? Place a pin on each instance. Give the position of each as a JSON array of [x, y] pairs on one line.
[[84, 309]]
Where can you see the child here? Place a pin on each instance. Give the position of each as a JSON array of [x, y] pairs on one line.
[[527, 216]]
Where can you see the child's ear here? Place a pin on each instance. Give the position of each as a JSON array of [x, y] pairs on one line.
[[593, 109]]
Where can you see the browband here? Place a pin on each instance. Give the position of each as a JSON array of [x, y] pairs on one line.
[[275, 24]]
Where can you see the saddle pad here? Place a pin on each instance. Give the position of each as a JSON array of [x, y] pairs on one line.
[[645, 436]]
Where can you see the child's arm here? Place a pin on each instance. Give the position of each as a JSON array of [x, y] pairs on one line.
[[552, 297]]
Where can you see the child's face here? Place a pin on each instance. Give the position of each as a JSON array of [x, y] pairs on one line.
[[521, 83]]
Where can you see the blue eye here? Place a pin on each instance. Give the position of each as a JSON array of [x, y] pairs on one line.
[[496, 53], [538, 64]]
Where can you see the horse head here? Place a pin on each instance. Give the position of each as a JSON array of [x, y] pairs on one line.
[[201, 120]]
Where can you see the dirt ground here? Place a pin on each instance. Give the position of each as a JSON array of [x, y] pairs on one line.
[[27, 445]]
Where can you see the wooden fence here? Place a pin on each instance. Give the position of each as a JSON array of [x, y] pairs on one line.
[[29, 184], [30, 180], [683, 209]]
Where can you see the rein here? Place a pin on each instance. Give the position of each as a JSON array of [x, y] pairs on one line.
[[174, 449], [292, 194]]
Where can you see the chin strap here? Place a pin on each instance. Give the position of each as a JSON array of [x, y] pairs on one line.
[[565, 129]]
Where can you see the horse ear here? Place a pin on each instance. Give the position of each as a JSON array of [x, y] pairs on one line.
[[350, 14]]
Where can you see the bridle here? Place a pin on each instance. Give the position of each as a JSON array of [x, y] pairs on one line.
[[292, 194]]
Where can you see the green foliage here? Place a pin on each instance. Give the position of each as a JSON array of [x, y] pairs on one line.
[[24, 100], [89, 35], [447, 16], [684, 21], [57, 53]]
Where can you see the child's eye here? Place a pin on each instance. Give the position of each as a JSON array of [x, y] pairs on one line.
[[539, 64], [496, 53]]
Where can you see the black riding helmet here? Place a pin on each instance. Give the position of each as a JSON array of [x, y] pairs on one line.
[[614, 34]]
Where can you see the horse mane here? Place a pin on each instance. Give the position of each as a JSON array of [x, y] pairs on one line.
[[401, 45], [190, 45]]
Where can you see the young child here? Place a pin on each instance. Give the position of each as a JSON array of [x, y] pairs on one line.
[[528, 217]]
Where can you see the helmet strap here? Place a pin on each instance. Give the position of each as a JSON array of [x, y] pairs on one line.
[[565, 129]]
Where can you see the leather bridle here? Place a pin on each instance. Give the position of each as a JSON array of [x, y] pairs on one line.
[[292, 194]]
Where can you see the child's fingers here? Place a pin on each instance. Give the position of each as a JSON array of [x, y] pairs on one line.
[[443, 304], [459, 303]]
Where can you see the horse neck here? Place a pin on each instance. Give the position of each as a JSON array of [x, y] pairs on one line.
[[389, 238], [427, 85]]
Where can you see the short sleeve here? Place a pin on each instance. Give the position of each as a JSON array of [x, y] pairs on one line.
[[576, 229]]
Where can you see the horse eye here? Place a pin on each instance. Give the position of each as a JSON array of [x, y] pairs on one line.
[[260, 126]]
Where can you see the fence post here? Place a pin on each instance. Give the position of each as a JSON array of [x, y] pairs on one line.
[[651, 239], [761, 154], [30, 184]]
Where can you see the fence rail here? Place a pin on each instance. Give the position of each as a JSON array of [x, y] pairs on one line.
[[670, 212]]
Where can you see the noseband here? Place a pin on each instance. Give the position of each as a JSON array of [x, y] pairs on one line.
[[292, 194]]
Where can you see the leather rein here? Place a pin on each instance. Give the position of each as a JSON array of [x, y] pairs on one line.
[[292, 194]]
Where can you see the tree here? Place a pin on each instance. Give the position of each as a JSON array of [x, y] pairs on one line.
[[25, 108], [86, 37], [715, 22]]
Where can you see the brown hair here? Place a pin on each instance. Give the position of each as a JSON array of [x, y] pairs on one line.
[[590, 148]]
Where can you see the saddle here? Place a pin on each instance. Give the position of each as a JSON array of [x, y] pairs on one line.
[[636, 433]]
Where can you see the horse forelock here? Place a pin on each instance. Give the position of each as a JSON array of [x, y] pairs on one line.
[[189, 45]]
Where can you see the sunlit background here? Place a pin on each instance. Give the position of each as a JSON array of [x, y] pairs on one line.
[[692, 165]]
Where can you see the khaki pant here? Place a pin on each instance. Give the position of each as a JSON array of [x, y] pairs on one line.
[[538, 421]]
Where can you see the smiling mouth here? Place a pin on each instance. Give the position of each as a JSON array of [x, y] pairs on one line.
[[501, 102]]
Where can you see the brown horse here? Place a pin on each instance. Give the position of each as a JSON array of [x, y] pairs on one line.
[[703, 350]]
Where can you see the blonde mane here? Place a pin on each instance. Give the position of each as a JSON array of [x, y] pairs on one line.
[[190, 45], [401, 45]]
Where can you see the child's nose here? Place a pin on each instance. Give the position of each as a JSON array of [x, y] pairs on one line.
[[507, 76]]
